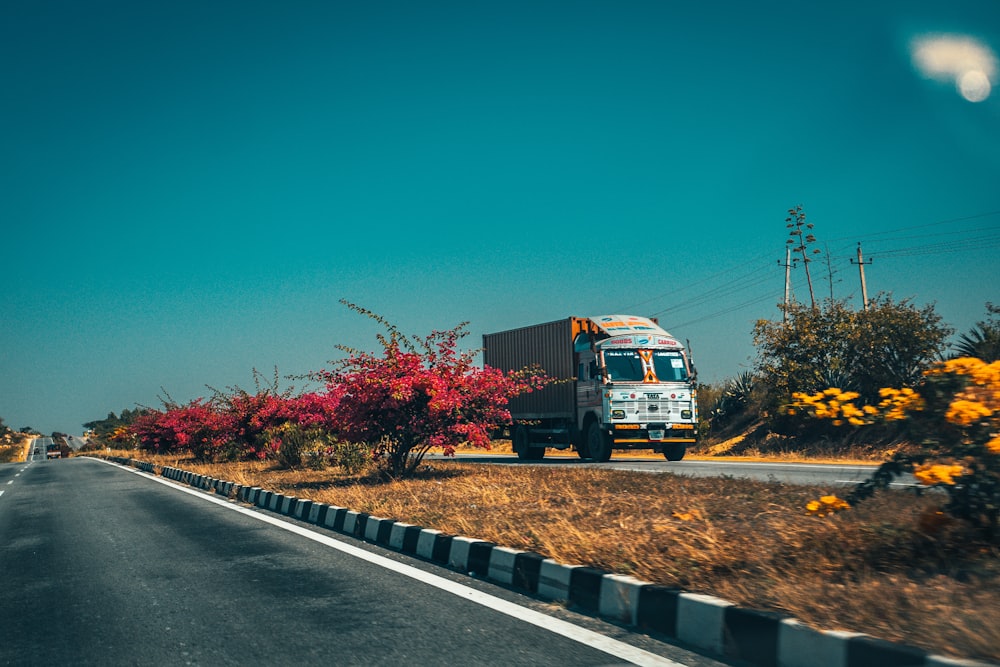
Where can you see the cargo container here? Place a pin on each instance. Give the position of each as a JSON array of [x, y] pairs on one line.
[[622, 382]]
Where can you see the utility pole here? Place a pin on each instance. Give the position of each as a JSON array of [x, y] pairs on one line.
[[861, 269], [788, 279]]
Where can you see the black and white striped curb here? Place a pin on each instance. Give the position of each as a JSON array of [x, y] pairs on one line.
[[712, 624]]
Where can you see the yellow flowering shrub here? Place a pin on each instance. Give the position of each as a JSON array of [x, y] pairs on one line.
[[122, 436], [954, 416], [839, 406], [832, 404], [826, 505], [897, 403], [964, 413], [931, 474], [979, 399]]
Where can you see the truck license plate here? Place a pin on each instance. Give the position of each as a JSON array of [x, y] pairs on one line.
[[656, 435]]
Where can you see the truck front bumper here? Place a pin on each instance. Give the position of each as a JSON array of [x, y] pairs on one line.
[[652, 435]]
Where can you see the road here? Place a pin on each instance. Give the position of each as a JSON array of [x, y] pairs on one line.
[[37, 450], [103, 565], [829, 475]]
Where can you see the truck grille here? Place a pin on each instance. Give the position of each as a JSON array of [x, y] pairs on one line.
[[648, 410]]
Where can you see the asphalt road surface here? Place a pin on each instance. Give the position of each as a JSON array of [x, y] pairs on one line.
[[101, 565], [37, 450], [820, 474]]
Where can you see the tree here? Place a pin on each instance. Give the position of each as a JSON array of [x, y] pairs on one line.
[[895, 343], [106, 432], [417, 394], [796, 221], [983, 340], [888, 345]]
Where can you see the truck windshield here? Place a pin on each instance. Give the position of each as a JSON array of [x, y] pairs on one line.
[[626, 366]]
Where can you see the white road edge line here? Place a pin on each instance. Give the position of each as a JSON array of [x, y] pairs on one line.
[[618, 649], [778, 464]]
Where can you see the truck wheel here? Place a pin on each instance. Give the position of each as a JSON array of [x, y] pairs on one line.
[[598, 443], [519, 442], [674, 451], [580, 444]]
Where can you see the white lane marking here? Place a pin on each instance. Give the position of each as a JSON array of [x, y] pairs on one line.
[[1, 492], [621, 650], [904, 485], [10, 481]]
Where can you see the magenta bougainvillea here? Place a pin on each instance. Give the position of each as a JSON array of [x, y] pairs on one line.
[[417, 394], [420, 393], [198, 426]]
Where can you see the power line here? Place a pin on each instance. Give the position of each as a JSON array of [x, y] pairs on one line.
[[934, 235], [728, 271], [727, 289], [959, 245], [983, 238], [929, 224], [724, 311]]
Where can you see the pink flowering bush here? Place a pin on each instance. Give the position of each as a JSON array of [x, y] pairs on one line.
[[418, 394], [252, 419], [197, 426]]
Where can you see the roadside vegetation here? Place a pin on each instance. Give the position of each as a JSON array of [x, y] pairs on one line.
[[921, 568], [12, 444], [879, 384]]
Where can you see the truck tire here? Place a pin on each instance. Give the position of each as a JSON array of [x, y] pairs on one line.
[[674, 451], [598, 443], [521, 443]]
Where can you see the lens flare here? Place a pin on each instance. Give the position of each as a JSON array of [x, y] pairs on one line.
[[974, 86], [958, 59]]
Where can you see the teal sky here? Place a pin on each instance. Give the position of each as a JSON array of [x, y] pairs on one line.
[[188, 188]]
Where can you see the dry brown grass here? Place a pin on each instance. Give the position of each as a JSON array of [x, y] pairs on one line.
[[734, 449], [882, 568]]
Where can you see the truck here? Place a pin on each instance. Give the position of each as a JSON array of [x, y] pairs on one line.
[[620, 382]]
